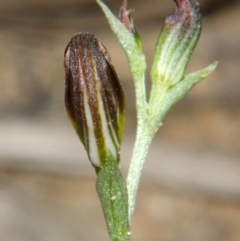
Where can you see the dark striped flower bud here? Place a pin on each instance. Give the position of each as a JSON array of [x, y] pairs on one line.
[[94, 98]]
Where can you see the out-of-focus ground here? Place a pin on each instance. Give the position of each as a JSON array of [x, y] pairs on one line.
[[190, 189]]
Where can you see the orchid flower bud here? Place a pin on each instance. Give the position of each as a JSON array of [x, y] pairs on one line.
[[94, 98], [176, 43]]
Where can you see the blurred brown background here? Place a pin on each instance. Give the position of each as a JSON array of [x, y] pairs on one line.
[[190, 189]]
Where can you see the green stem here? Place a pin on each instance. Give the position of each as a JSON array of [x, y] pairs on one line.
[[142, 143], [147, 125], [149, 119], [143, 137]]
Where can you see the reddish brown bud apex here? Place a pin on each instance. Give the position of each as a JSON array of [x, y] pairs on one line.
[[125, 16]]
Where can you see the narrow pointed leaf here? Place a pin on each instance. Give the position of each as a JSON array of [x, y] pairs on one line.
[[177, 92], [130, 43]]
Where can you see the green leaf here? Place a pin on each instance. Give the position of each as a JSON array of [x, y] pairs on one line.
[[112, 192], [177, 92], [130, 43], [125, 37]]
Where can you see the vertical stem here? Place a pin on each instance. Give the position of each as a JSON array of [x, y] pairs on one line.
[[142, 143], [143, 137]]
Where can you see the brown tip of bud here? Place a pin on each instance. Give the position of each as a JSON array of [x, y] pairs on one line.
[[125, 16]]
